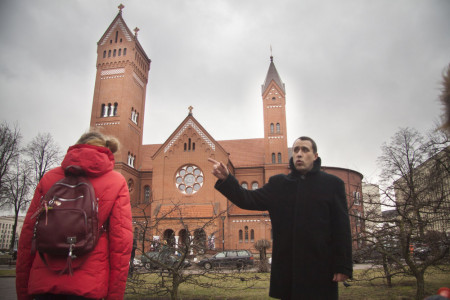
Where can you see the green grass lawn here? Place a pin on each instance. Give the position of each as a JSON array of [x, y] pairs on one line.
[[256, 286]]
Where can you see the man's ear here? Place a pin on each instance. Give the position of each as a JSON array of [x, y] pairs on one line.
[[316, 155]]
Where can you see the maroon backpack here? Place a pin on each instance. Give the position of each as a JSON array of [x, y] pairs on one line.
[[67, 219]]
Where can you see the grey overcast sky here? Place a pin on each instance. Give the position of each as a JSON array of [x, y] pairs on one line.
[[355, 71]]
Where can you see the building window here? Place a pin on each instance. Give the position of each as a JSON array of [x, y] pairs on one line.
[[356, 198], [114, 53], [147, 194], [131, 159], [109, 53], [244, 185], [189, 179], [240, 235], [271, 127], [117, 35], [130, 185], [115, 109], [278, 127], [124, 51], [273, 98], [134, 116], [104, 54], [120, 52], [254, 185], [279, 157], [246, 234], [273, 158], [252, 235], [102, 112]]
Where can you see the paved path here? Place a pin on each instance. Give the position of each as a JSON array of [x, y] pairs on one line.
[[8, 288]]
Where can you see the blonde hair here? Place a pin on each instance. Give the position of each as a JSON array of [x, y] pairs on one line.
[[97, 139]]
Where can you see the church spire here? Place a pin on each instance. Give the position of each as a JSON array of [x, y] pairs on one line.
[[272, 74]]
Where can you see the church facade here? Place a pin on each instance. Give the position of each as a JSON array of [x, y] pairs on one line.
[[171, 185]]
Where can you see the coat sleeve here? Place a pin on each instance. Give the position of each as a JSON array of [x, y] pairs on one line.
[[120, 243], [341, 234], [24, 255], [258, 199]]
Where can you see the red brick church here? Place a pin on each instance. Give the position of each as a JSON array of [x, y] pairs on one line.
[[171, 185]]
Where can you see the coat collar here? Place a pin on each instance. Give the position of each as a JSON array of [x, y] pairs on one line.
[[316, 168]]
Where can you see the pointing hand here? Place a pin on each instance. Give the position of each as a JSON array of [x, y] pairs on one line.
[[219, 169]]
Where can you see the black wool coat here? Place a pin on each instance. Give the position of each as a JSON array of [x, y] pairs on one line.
[[311, 230]]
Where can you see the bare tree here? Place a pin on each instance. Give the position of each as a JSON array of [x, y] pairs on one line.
[[415, 184], [18, 186], [44, 154], [9, 150], [168, 256]]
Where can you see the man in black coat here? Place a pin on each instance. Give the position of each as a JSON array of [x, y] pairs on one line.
[[312, 248]]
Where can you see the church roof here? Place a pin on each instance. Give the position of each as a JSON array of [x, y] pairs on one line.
[[245, 152], [119, 22], [272, 74]]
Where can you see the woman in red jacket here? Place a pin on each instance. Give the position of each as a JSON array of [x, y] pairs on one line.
[[103, 274]]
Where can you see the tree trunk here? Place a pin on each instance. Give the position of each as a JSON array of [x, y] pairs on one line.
[[420, 283]]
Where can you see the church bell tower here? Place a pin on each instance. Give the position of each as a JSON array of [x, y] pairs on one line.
[[120, 89], [275, 132]]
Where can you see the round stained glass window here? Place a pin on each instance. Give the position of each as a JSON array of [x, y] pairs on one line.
[[189, 179]]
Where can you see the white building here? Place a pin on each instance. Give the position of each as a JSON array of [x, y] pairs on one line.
[[6, 227]]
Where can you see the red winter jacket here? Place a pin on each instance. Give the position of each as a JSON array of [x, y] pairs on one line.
[[104, 273]]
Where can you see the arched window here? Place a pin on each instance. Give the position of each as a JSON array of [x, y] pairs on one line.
[[114, 53], [124, 51], [240, 235], [279, 157], [278, 127], [104, 54], [102, 113], [185, 147], [254, 185], [244, 185], [110, 111], [117, 35], [273, 158], [109, 53], [271, 127], [252, 235], [115, 108], [246, 234], [147, 194], [193, 146], [120, 52]]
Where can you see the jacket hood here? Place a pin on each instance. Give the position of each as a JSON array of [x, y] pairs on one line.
[[95, 161], [316, 167]]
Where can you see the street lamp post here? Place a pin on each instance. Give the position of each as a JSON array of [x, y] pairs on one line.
[[223, 232]]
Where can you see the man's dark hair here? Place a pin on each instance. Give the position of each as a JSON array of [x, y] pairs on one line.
[[314, 145]]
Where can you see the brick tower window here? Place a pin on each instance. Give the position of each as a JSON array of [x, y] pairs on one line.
[[279, 157], [271, 128], [273, 158]]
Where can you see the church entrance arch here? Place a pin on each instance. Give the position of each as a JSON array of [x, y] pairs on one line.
[[169, 238], [200, 241]]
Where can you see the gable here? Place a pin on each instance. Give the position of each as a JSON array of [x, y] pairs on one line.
[[117, 24]]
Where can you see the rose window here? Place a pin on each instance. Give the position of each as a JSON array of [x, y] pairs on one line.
[[189, 179]]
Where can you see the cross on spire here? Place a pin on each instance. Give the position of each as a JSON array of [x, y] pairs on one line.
[[190, 110], [120, 7], [136, 30]]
